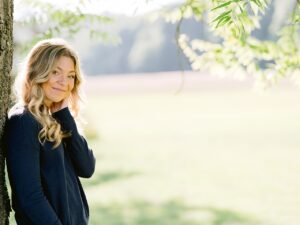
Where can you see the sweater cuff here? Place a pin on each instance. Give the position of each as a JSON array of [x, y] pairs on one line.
[[62, 113], [65, 119]]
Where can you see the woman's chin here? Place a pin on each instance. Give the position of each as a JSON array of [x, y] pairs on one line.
[[57, 100]]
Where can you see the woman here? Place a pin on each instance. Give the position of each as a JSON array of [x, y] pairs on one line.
[[46, 154]]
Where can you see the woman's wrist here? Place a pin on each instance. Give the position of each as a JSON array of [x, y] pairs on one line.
[[57, 106]]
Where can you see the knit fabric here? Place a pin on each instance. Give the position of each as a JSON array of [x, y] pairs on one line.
[[46, 189]]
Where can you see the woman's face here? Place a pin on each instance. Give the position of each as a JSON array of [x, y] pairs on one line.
[[61, 81]]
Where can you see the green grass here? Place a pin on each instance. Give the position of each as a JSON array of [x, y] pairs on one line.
[[227, 157], [205, 158]]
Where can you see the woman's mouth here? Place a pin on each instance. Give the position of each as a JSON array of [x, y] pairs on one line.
[[58, 89]]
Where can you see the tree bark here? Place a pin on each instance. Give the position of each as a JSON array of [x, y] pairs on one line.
[[6, 54]]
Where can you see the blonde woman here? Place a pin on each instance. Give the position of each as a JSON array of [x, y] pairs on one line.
[[46, 155]]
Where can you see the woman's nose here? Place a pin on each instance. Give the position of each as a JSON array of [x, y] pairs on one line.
[[62, 80]]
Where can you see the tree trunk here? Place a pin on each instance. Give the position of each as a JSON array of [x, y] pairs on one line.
[[6, 53]]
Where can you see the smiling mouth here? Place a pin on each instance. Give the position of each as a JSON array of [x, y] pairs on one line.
[[57, 89]]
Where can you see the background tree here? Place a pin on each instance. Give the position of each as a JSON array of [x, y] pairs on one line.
[[239, 53], [6, 53]]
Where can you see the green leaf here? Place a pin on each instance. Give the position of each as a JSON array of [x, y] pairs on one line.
[[258, 3], [224, 14], [297, 19], [222, 5], [223, 21]]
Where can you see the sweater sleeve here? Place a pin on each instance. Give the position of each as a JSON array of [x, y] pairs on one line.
[[82, 157], [23, 162]]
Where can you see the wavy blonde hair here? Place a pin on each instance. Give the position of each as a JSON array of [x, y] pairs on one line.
[[35, 71]]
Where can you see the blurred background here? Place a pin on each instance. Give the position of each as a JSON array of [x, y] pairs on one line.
[[177, 144]]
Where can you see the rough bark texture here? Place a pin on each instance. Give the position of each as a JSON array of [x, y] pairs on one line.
[[6, 52]]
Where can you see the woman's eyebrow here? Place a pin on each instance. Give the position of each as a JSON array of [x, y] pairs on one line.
[[62, 70]]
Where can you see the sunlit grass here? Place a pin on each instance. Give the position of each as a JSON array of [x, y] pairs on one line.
[[228, 150]]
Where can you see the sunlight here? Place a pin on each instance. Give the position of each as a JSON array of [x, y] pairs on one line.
[[128, 8]]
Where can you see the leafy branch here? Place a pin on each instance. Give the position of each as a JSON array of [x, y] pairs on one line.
[[239, 53], [50, 20]]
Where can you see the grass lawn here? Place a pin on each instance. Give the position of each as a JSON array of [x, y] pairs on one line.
[[207, 156]]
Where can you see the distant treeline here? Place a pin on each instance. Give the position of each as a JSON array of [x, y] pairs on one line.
[[150, 46]]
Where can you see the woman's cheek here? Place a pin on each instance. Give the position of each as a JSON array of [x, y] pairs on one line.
[[68, 94], [70, 89]]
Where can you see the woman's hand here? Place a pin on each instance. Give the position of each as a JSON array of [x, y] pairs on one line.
[[56, 106]]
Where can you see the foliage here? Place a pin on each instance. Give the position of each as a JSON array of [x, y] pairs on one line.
[[239, 52], [50, 20]]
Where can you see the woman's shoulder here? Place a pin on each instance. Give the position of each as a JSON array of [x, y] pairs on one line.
[[22, 114]]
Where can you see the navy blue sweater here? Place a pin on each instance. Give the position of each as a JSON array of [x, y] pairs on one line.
[[45, 186]]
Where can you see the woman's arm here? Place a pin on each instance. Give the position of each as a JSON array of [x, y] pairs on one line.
[[82, 157], [23, 163]]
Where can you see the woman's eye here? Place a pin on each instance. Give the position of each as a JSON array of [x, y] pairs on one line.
[[71, 76], [54, 72]]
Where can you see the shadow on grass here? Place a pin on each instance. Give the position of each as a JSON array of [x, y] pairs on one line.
[[105, 177], [173, 212]]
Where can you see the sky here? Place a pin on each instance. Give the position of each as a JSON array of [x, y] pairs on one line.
[[124, 7], [132, 7]]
